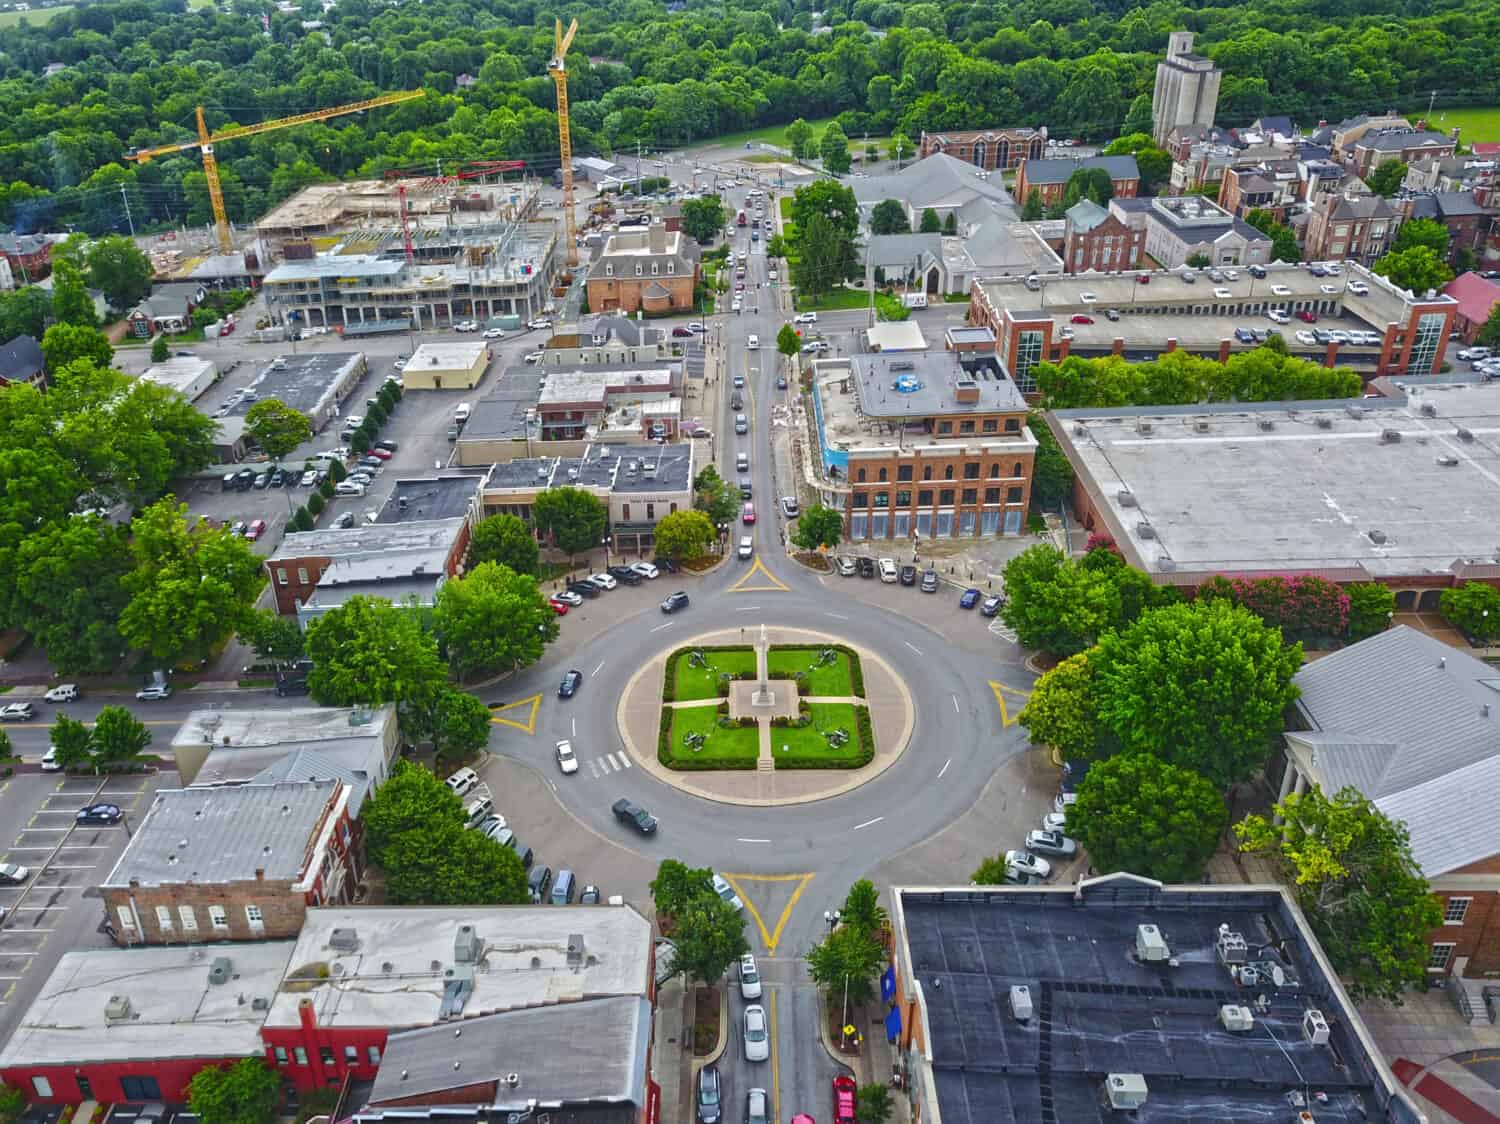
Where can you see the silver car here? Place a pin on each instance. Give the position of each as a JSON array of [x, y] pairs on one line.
[[1051, 843], [757, 1039], [757, 1107]]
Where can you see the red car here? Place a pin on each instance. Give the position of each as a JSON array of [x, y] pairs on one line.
[[1306, 317], [681, 333], [747, 514], [843, 1099], [558, 607], [1082, 319], [383, 454], [256, 529]]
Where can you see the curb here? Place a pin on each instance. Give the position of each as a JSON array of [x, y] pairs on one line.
[[718, 1051], [826, 1041]]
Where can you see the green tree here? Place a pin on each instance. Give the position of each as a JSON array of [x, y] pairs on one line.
[[704, 218], [492, 620], [1089, 183], [1353, 874], [830, 199], [1138, 116], [1421, 232], [846, 957], [1283, 238], [676, 885], [1055, 606], [66, 343], [788, 342], [1198, 261], [872, 1104], [818, 527], [119, 269], [950, 227], [1489, 331], [301, 521], [862, 910], [160, 350], [1051, 471], [799, 136], [889, 217], [1371, 607], [119, 738], [367, 651], [1474, 608], [442, 864], [710, 935], [73, 742], [574, 519], [191, 588], [1386, 179], [1415, 270], [712, 496], [1137, 813], [12, 1103], [68, 593], [776, 246], [7, 751], [991, 872], [1060, 712], [276, 427], [1031, 210], [410, 798], [821, 255], [1202, 686], [931, 224], [684, 535], [246, 1092], [900, 147], [71, 303], [460, 726], [833, 148], [273, 636], [507, 540]]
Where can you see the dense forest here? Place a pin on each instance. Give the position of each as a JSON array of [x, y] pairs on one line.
[[135, 69]]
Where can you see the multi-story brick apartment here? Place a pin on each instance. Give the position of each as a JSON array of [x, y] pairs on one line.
[[911, 446], [652, 270], [1344, 226], [1179, 228], [1094, 239], [1049, 178], [988, 148], [1470, 222], [233, 862], [1382, 146]]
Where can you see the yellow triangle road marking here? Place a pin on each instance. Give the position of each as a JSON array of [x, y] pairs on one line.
[[1001, 690], [758, 567], [532, 705], [772, 937]]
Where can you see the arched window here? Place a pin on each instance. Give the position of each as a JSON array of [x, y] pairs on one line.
[[927, 472], [1002, 154], [994, 472], [1016, 471], [980, 149], [948, 473], [882, 476], [861, 476]]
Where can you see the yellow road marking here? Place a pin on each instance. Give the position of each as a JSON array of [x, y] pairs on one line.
[[1001, 690], [770, 938], [775, 1060], [532, 705], [758, 567]]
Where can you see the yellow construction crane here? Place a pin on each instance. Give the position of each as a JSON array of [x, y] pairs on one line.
[[557, 67], [206, 141]]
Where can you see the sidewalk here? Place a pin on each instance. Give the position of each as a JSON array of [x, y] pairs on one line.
[[876, 1059], [673, 1056]]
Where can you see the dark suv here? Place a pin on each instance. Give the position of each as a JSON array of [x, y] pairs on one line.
[[710, 1096], [539, 881]]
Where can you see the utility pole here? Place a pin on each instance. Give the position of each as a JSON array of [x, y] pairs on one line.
[[638, 180], [130, 222]]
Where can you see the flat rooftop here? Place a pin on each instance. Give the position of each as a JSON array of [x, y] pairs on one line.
[[364, 266], [295, 726], [388, 966], [456, 355], [230, 833], [617, 468], [501, 414], [174, 1010], [592, 384], [301, 381], [1100, 1009], [431, 497], [926, 384], [1377, 488], [436, 535], [179, 372]]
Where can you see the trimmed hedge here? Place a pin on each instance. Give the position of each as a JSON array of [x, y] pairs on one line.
[[856, 671]]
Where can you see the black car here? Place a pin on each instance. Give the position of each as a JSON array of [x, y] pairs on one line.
[[990, 606], [636, 816], [570, 684], [288, 685], [278, 478], [908, 575], [710, 1096], [590, 896], [867, 567], [99, 814], [625, 574], [244, 479], [262, 480], [539, 881], [1257, 271], [584, 589], [675, 601]]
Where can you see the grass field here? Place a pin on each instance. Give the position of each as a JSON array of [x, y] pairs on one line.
[[809, 748], [35, 18], [1479, 125], [736, 747], [703, 682], [770, 134], [829, 681]]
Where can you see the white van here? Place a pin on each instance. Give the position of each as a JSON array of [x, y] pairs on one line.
[[753, 343]]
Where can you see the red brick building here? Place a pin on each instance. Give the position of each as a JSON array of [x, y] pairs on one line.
[[652, 270], [1095, 239], [1049, 178], [28, 255], [380, 559], [987, 148]]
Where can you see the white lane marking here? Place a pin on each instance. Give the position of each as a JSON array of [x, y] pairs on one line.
[[944, 769], [748, 609], [575, 727], [867, 823], [599, 668], [912, 646], [62, 866], [955, 705], [752, 840], [625, 760], [836, 616], [659, 627]]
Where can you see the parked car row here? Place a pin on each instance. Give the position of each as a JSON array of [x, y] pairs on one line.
[[891, 573], [606, 580]]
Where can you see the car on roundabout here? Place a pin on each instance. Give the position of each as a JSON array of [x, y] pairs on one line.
[[634, 815], [570, 684], [675, 601], [567, 761]]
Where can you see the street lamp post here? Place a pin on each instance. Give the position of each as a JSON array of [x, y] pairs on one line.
[[606, 551]]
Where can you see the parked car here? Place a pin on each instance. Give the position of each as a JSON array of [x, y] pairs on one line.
[[558, 607], [1027, 863], [1306, 315], [17, 712], [13, 875], [288, 685], [238, 528], [726, 892], [757, 1040], [1051, 843], [888, 571], [929, 581], [570, 684], [867, 567], [990, 606], [710, 1096], [646, 570], [538, 882], [969, 599], [49, 760], [256, 529], [908, 574], [99, 814], [675, 601], [154, 692], [603, 581], [805, 318], [568, 597], [625, 574], [590, 895], [262, 480], [847, 566], [634, 815], [749, 977], [462, 782], [789, 507], [1080, 318], [566, 760], [844, 1089], [582, 589], [63, 692]]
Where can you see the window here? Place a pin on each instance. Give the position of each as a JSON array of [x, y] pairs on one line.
[[41, 1086], [655, 269], [1438, 958], [300, 1055], [1016, 469], [947, 472], [188, 918], [609, 269], [927, 472], [254, 918], [903, 498], [945, 427], [860, 476], [1013, 495], [971, 470], [164, 918], [966, 426], [301, 575], [325, 1054], [992, 495], [137, 1088], [882, 476], [373, 1054], [127, 919], [945, 497], [651, 512], [990, 426], [971, 495], [280, 575], [218, 918], [1455, 910], [924, 498], [861, 499], [671, 267], [882, 499], [674, 507], [351, 1055], [281, 1055], [639, 270], [903, 472], [1012, 425], [625, 512]]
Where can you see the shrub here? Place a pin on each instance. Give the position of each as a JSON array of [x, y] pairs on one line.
[[377, 414], [316, 503], [1474, 608], [1370, 608], [326, 488], [664, 738], [337, 472], [301, 521], [360, 441]]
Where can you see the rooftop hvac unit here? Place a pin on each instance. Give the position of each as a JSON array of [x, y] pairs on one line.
[[1145, 530], [466, 945], [1447, 460], [1125, 498], [219, 970], [1231, 947], [1235, 1017], [1355, 411], [1143, 427], [1020, 1002], [1429, 409], [343, 940], [575, 948], [1463, 434], [1325, 423], [1315, 1027], [1390, 436], [116, 1007], [1126, 1091], [1377, 537], [1266, 424], [1150, 945], [260, 1003], [1200, 426]]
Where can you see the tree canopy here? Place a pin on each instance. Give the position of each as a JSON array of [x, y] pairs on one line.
[[369, 651], [1137, 813], [245, 1092], [889, 217], [574, 518], [492, 619], [504, 539], [276, 427]]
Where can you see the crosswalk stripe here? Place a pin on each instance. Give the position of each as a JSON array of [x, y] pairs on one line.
[[625, 760]]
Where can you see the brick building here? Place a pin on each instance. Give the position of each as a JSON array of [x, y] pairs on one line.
[[1094, 239], [987, 148], [1349, 227], [1383, 146], [1408, 721], [233, 862], [28, 255], [1049, 178], [652, 270], [1477, 298], [1468, 220]]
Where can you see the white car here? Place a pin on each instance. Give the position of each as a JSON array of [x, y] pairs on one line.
[[646, 570], [153, 692], [1280, 291], [538, 324], [1330, 289], [13, 875], [888, 570], [1278, 316], [726, 891], [757, 1040], [1027, 863], [462, 782], [1359, 288], [534, 357], [604, 581], [1055, 821], [17, 712], [354, 421], [1474, 353], [466, 326], [348, 488], [565, 759], [747, 547], [805, 318], [749, 977], [752, 343], [1051, 843], [49, 760], [494, 333], [568, 597], [63, 692]]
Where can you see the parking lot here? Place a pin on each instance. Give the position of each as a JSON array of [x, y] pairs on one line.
[[48, 914]]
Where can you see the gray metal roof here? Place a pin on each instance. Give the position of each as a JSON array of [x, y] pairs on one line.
[[310, 765], [434, 537], [224, 834], [1401, 140], [304, 381], [1058, 170], [1402, 717], [937, 181], [593, 1051]]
